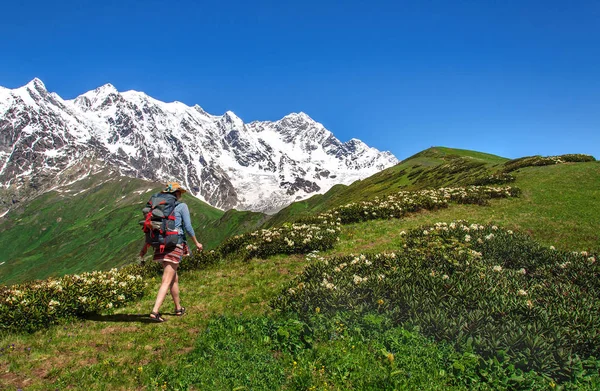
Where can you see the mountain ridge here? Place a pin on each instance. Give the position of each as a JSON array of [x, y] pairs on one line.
[[258, 166]]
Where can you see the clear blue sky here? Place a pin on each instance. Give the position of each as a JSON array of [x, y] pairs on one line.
[[512, 78]]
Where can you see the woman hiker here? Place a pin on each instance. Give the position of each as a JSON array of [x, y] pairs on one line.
[[170, 259]]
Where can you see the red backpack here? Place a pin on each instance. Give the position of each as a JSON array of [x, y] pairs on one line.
[[159, 223]]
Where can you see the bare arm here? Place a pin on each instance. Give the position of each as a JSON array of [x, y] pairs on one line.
[[196, 242]]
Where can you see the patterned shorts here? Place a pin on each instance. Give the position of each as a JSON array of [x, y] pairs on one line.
[[173, 256]]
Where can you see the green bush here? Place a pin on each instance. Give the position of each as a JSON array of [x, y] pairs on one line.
[[263, 353], [530, 161], [288, 239], [403, 202], [200, 260], [494, 179], [31, 306], [342, 351], [487, 290]]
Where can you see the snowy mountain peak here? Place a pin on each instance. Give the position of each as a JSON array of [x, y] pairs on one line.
[[199, 109], [355, 141], [261, 166], [96, 98], [107, 89], [298, 117], [35, 84], [233, 120], [230, 114]]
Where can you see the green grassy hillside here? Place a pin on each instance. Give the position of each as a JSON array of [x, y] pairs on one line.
[[559, 206], [497, 311], [93, 225], [432, 168]]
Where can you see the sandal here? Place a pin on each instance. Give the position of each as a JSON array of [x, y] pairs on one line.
[[180, 312], [157, 317]]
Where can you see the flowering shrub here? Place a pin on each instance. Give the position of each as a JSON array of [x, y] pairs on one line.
[[482, 288], [399, 204], [288, 239], [200, 260], [494, 179], [35, 305], [530, 161]]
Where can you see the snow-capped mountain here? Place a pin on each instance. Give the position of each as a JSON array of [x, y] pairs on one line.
[[261, 166]]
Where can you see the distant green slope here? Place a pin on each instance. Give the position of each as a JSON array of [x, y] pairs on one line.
[[94, 226], [559, 206], [431, 168]]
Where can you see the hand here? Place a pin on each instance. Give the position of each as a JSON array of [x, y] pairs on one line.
[[199, 246]]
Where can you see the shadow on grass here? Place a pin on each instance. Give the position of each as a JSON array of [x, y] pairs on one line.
[[126, 318]]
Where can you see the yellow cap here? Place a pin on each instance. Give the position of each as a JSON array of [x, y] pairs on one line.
[[172, 187]]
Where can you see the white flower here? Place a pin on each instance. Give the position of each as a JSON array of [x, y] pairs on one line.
[[522, 292], [53, 303], [327, 284], [467, 238], [109, 305], [497, 268], [523, 271], [368, 263], [509, 232], [82, 299], [445, 277], [529, 304], [121, 297], [489, 237], [552, 248]]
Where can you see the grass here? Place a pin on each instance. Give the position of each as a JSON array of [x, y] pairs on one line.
[[560, 206], [109, 349], [121, 351], [112, 351]]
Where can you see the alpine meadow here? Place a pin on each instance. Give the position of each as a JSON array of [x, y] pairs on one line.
[[450, 270]]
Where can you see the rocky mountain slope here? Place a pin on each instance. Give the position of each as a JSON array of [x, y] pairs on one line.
[[46, 142]]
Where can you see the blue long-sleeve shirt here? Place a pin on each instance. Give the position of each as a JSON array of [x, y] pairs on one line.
[[183, 222]]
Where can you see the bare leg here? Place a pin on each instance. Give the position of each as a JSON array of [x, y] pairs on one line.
[[169, 273], [175, 291]]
